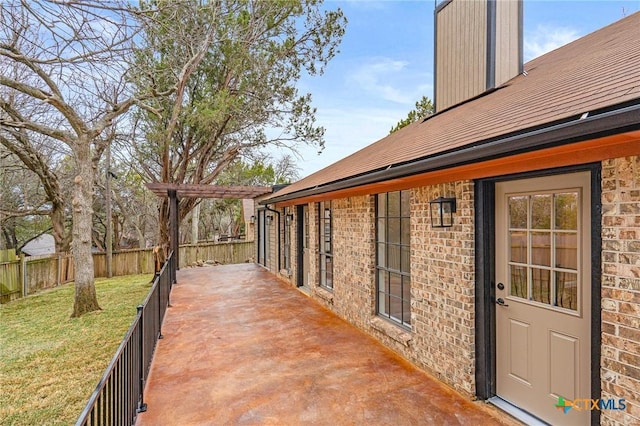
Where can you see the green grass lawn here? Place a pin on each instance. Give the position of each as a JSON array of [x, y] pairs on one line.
[[50, 363]]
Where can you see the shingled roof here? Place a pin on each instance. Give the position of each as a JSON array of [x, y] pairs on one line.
[[594, 74]]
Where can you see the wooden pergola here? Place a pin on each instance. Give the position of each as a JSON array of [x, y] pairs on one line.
[[175, 191]]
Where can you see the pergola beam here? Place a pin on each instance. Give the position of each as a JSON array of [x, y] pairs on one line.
[[177, 191]]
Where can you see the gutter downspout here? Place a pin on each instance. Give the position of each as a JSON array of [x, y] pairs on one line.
[[266, 207]]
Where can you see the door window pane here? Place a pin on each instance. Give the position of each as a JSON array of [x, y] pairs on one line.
[[567, 290], [518, 207], [541, 211], [541, 248], [541, 285], [567, 251], [518, 252], [566, 211], [518, 281]]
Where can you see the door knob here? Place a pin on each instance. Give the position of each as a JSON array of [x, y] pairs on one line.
[[500, 301]]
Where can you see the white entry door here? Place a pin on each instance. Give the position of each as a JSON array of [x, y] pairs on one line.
[[543, 296]]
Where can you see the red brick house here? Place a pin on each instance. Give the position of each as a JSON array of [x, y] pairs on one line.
[[526, 291]]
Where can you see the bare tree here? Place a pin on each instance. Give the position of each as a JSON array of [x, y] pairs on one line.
[[70, 72]]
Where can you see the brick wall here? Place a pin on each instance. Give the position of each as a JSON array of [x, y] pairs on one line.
[[443, 287], [354, 253], [621, 288], [442, 338]]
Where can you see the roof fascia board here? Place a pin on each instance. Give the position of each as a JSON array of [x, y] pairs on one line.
[[605, 124]]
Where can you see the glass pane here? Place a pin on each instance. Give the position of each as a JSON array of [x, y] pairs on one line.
[[394, 230], [541, 285], [405, 237], [567, 290], [541, 211], [383, 281], [382, 205], [541, 248], [395, 285], [329, 272], [393, 259], [518, 280], [394, 204], [518, 246], [406, 312], [567, 211], [567, 250], [405, 203], [327, 213], [518, 207], [405, 259], [406, 288], [383, 303], [382, 230], [382, 255], [395, 308]]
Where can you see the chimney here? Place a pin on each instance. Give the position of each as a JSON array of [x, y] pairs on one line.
[[478, 47]]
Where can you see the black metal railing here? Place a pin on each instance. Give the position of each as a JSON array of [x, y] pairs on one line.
[[119, 396]]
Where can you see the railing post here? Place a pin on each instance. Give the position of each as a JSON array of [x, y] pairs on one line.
[[142, 407], [159, 290]]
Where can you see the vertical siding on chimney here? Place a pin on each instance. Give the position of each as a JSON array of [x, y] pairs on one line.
[[508, 41], [461, 30]]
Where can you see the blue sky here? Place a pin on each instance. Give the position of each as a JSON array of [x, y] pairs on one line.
[[385, 64]]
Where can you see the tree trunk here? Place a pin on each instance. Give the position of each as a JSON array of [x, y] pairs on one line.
[[85, 298], [59, 233]]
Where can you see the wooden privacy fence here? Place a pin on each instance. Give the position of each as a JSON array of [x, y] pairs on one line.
[[27, 275]]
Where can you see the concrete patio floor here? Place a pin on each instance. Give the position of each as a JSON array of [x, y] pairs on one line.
[[241, 347]]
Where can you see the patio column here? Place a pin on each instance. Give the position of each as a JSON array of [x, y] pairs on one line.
[[174, 235]]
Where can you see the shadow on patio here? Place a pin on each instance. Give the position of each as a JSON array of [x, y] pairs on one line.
[[241, 347]]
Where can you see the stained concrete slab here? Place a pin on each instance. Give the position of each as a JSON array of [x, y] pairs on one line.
[[241, 347]]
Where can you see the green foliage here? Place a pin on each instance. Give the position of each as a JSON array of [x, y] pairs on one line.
[[242, 93], [423, 108]]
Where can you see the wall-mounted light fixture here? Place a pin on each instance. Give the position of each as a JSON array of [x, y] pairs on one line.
[[442, 210], [269, 219], [252, 219], [289, 219]]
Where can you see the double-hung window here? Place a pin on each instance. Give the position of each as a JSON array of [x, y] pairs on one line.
[[326, 245], [393, 257]]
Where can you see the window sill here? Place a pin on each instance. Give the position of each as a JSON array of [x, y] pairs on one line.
[[391, 330], [324, 294]]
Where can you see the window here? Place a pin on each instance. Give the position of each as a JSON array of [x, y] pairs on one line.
[[326, 245], [543, 241], [393, 258]]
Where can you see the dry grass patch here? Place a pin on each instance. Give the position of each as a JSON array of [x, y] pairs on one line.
[[49, 362]]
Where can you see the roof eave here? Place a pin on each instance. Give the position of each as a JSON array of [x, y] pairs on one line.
[[619, 120]]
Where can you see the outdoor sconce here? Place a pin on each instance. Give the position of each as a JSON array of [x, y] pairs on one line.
[[442, 210], [269, 218], [252, 219], [289, 219]]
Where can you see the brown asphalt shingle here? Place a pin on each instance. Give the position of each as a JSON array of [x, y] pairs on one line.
[[599, 70]]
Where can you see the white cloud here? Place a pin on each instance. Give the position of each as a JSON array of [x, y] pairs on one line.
[[546, 38], [374, 75]]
